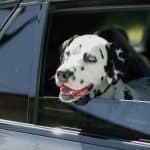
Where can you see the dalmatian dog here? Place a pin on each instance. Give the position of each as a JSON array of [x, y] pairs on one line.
[[91, 66]]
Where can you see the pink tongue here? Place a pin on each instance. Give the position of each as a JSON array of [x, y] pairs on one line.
[[68, 91]]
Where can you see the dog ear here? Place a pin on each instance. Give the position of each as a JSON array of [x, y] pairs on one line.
[[64, 45], [115, 67]]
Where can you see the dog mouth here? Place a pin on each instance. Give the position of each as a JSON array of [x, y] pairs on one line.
[[68, 94]]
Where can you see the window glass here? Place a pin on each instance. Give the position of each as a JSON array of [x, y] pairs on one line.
[[16, 50], [135, 28], [15, 54], [4, 13]]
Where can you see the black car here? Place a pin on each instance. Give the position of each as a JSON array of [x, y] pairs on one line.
[[32, 116]]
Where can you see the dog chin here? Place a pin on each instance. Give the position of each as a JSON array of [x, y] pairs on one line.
[[67, 99]]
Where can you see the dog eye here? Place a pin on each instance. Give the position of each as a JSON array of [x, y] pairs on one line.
[[92, 59], [89, 58]]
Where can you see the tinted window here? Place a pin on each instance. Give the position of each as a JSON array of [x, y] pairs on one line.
[[16, 52], [4, 13]]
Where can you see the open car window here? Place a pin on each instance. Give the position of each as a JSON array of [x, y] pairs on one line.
[[90, 118]]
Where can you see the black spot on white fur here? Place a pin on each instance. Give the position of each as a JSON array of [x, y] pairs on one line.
[[68, 53], [74, 78], [85, 57], [64, 46], [97, 93], [81, 81], [82, 68], [74, 69], [101, 53], [115, 65], [94, 91]]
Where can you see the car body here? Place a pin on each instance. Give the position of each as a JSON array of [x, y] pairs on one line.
[[31, 115]]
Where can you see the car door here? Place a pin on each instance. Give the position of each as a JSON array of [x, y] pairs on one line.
[[20, 40], [123, 119]]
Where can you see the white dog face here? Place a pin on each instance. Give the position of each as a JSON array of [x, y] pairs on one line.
[[83, 68]]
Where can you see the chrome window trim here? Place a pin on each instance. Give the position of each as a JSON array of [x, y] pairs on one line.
[[105, 8]]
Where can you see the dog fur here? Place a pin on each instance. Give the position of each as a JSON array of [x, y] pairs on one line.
[[93, 60]]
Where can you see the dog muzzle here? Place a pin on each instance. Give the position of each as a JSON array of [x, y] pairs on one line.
[[68, 94]]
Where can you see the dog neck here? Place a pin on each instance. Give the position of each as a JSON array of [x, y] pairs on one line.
[[112, 91]]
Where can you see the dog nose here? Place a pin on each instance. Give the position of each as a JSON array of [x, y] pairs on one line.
[[64, 75]]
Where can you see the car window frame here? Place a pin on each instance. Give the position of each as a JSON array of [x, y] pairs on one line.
[[84, 10]]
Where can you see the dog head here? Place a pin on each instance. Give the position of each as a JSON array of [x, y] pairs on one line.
[[87, 63]]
